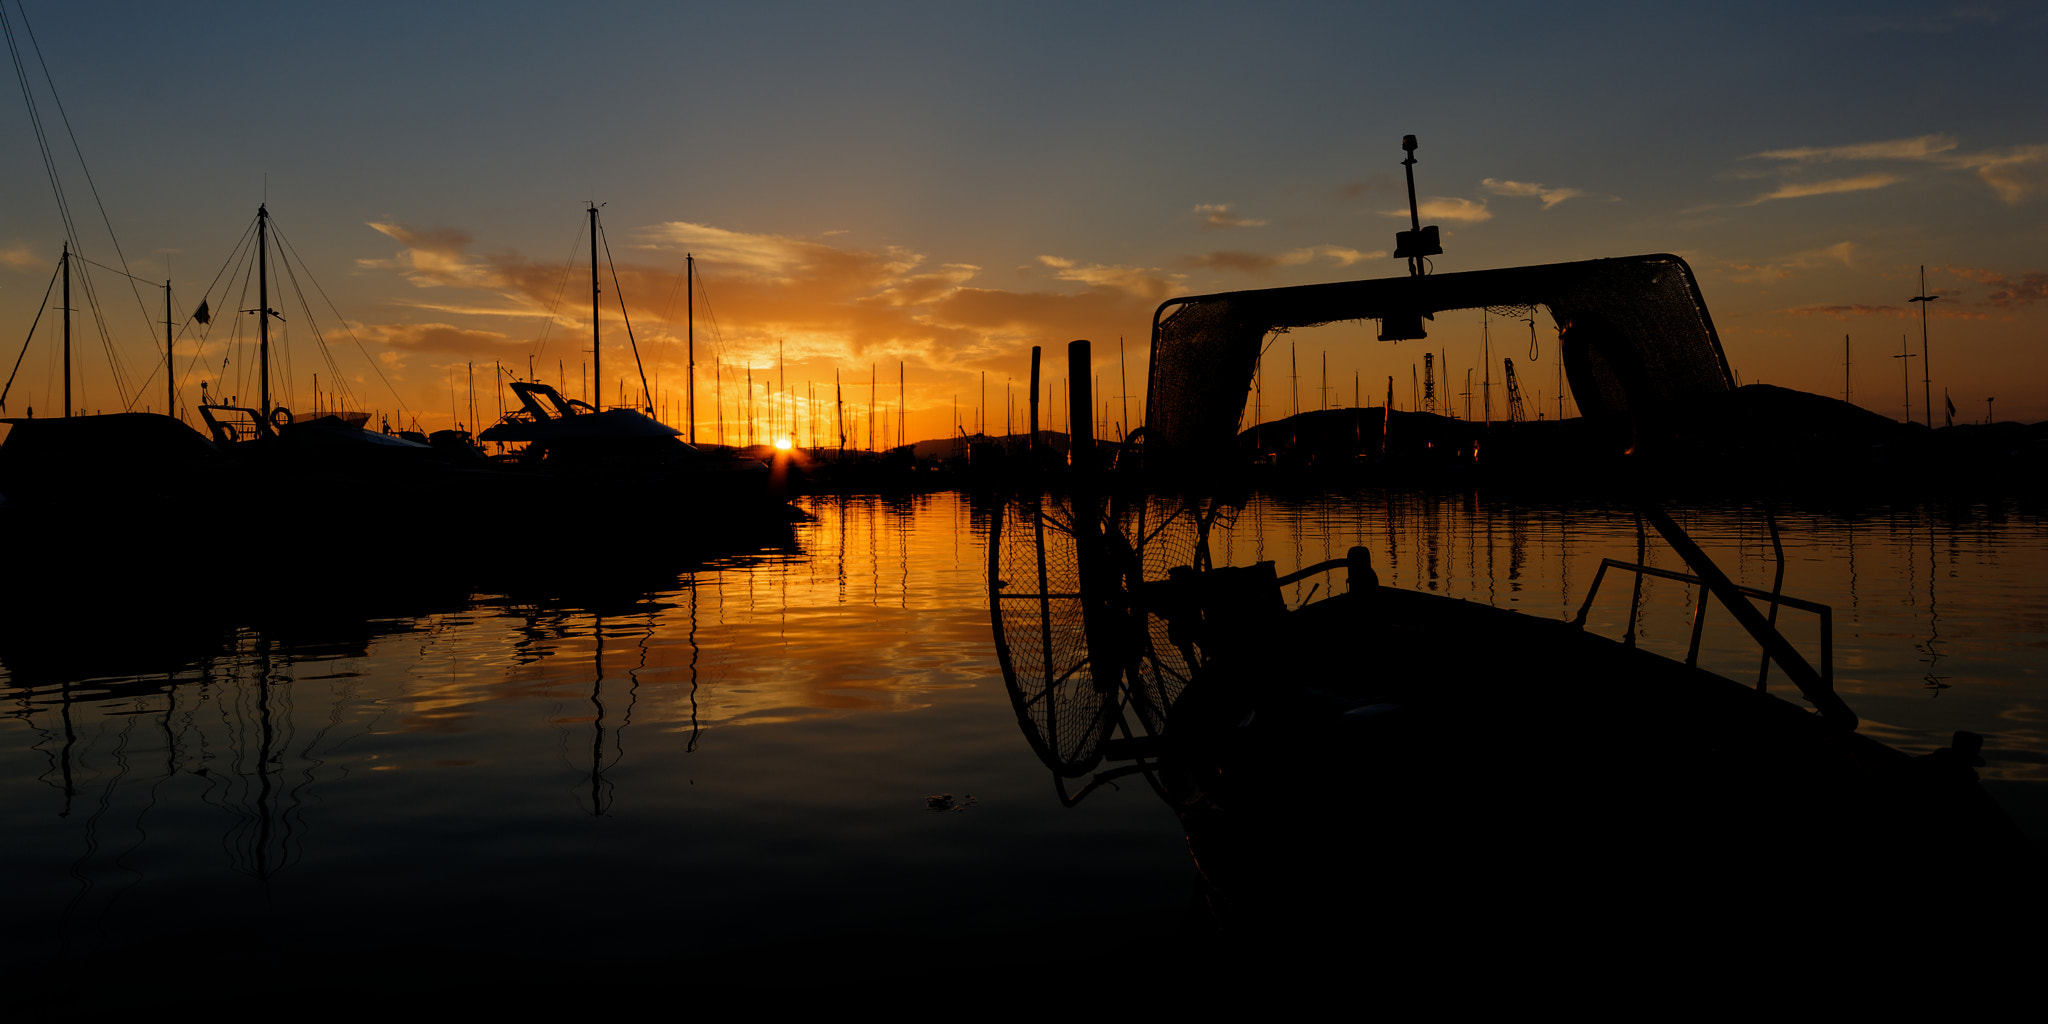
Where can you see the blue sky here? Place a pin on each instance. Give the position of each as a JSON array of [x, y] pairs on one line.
[[948, 184]]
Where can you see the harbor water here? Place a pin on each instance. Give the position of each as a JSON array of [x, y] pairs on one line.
[[811, 746]]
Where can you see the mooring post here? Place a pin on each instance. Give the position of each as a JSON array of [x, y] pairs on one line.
[[1036, 461], [1081, 407]]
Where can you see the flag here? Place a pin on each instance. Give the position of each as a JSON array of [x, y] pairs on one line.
[[1951, 403], [202, 314]]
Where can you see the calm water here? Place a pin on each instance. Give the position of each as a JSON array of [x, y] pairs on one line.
[[744, 755]]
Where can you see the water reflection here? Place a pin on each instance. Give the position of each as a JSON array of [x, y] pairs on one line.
[[1384, 732], [745, 741]]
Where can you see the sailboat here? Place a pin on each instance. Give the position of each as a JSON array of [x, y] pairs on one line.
[[623, 455]]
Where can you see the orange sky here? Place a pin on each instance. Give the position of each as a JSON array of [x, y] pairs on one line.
[[946, 189]]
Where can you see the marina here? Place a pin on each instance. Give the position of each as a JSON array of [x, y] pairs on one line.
[[657, 774], [655, 511]]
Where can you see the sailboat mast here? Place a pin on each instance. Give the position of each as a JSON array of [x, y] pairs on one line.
[[263, 305], [170, 366], [690, 285], [596, 356], [65, 261]]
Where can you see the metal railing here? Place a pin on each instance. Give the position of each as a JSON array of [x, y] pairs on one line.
[[1699, 614]]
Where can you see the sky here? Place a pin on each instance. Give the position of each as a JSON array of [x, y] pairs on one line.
[[942, 186]]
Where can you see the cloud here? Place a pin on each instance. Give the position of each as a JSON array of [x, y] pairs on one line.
[[823, 305], [1920, 147], [2007, 292], [2014, 173], [1550, 196], [1261, 264], [1218, 215], [1801, 190], [432, 257], [446, 340], [22, 258], [1890, 312], [1451, 209], [1139, 281], [1842, 253], [1844, 312]]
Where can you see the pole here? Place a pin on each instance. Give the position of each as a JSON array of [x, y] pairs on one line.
[[170, 366], [65, 262], [690, 285], [1906, 376], [1123, 379], [1036, 352], [1926, 374], [263, 304], [1414, 212], [1080, 406], [1486, 369], [596, 354]]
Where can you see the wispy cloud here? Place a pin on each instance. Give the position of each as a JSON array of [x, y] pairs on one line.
[[2015, 174], [1803, 189], [1840, 253], [20, 257], [1550, 196], [433, 257], [826, 304], [1920, 147], [1218, 215], [1902, 311], [2007, 292], [1142, 282], [1261, 264], [1465, 211]]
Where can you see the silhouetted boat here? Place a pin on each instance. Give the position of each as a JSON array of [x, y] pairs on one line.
[[629, 456], [623, 454], [1420, 767]]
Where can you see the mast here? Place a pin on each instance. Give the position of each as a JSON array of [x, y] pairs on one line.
[[263, 304], [690, 285], [1926, 375], [65, 261], [596, 356], [170, 366]]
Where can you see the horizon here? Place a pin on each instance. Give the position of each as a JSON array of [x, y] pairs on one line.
[[948, 188]]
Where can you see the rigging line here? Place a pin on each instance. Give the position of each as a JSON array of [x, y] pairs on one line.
[[717, 336], [346, 329], [241, 248], [326, 356], [35, 118], [65, 119], [57, 185], [623, 315], [117, 270], [47, 289], [554, 308]]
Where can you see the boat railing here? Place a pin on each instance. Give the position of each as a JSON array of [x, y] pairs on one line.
[[1699, 615]]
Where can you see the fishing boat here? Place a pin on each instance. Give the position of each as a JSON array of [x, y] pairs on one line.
[[1422, 768]]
